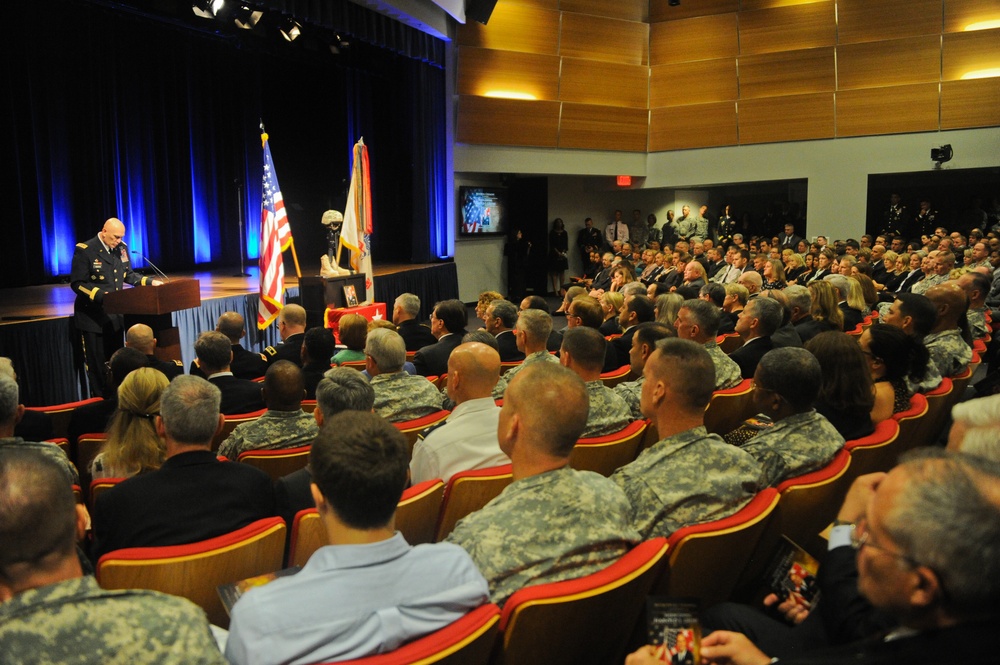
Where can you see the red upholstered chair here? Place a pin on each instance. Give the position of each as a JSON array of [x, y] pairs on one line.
[[979, 346], [63, 444], [308, 535], [359, 365], [469, 491], [195, 571], [468, 641], [729, 408], [87, 448], [706, 560], [586, 620], [60, 414], [616, 376], [651, 437], [810, 502], [230, 423], [418, 510], [912, 422], [604, 454], [308, 405], [729, 343], [277, 463], [938, 409], [99, 486], [875, 452], [411, 429]]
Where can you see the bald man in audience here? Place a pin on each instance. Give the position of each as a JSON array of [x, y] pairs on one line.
[[752, 282], [643, 344], [140, 337], [245, 364], [552, 523], [292, 329], [467, 439], [532, 332], [283, 425], [976, 286], [689, 476], [583, 352], [698, 321], [946, 343]]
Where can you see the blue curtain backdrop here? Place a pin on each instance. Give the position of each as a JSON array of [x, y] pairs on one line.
[[108, 113]]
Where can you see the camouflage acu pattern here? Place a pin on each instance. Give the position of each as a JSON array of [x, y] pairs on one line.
[[685, 479], [608, 412], [931, 380], [927, 282], [498, 390], [76, 622], [272, 431], [631, 392], [50, 449], [977, 323], [727, 372], [950, 353], [537, 356], [400, 396], [558, 525], [794, 446]]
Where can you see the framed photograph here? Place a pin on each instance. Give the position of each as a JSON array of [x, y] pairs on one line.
[[350, 296]]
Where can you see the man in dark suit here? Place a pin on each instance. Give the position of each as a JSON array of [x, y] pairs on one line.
[[245, 364], [448, 321], [101, 265], [140, 337], [638, 309], [317, 350], [193, 496], [788, 239], [292, 328], [238, 395], [404, 314], [500, 317], [755, 324]]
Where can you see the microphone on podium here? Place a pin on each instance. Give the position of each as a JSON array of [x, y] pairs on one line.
[[152, 265]]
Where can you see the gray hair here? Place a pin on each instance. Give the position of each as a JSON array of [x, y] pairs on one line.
[[705, 314], [482, 337], [189, 407], [343, 389], [387, 349], [535, 324], [633, 289], [409, 302], [799, 296], [768, 312], [506, 311], [981, 418], [839, 282], [8, 399]]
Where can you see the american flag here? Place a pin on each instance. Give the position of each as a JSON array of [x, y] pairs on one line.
[[357, 230], [275, 237]]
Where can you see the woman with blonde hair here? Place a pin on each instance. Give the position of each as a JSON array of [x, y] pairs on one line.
[[132, 446], [824, 304], [611, 303], [666, 308], [485, 298], [774, 275], [856, 296], [795, 265]]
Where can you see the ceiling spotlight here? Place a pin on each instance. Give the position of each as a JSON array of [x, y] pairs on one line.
[[246, 17], [290, 29], [207, 8]]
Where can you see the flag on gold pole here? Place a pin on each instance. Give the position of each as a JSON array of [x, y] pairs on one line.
[[275, 237], [357, 229]]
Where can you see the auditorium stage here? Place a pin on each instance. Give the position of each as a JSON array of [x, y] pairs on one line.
[[36, 329]]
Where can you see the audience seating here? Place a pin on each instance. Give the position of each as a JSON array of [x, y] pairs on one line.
[[77, 494], [911, 423], [504, 366], [308, 405], [99, 486], [651, 437], [706, 560], [277, 463], [308, 535], [586, 620], [87, 448], [230, 423], [468, 641], [411, 429], [360, 365], [810, 502], [418, 511], [616, 376], [63, 444], [469, 491], [729, 343], [61, 414], [605, 454], [729, 408], [938, 411], [874, 452], [194, 571], [435, 380]]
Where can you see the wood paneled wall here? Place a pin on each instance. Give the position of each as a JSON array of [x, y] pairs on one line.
[[642, 76]]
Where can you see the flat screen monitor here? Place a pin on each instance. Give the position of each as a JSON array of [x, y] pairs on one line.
[[483, 211]]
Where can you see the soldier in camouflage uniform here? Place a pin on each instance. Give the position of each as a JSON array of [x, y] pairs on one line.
[[949, 351], [70, 619], [689, 476], [583, 352], [398, 396], [532, 332], [786, 385], [552, 523], [643, 344], [284, 424], [698, 320], [9, 417]]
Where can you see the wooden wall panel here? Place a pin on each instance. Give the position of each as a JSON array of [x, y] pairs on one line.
[[626, 10], [908, 108], [964, 52], [604, 83], [507, 122], [483, 70], [788, 28], [960, 14], [697, 126], [788, 73], [974, 103], [693, 82], [603, 128], [703, 38], [750, 5], [514, 27], [610, 40], [868, 21], [792, 118], [536, 4], [660, 10], [896, 62]]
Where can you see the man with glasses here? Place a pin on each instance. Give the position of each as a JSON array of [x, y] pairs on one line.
[[101, 265]]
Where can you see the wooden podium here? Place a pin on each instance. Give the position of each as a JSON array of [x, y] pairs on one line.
[[153, 305]]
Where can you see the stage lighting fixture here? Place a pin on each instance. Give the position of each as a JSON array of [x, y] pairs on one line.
[[942, 154], [246, 17], [207, 8], [290, 29]]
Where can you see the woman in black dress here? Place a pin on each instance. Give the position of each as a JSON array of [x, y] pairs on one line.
[[558, 259]]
